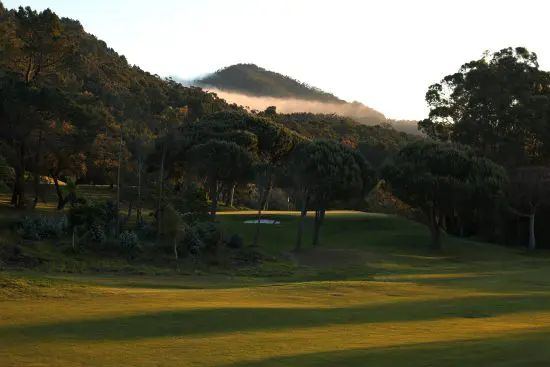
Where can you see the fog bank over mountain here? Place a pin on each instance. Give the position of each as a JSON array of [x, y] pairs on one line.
[[257, 88]]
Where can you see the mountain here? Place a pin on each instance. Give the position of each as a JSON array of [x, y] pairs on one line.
[[253, 80], [257, 88]]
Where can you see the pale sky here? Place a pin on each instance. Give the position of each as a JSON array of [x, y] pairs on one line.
[[382, 53]]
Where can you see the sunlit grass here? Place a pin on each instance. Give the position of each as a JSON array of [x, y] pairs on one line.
[[372, 294], [87, 321]]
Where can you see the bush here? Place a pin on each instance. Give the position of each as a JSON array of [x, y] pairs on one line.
[[212, 236], [147, 232], [44, 227], [235, 242], [247, 257], [192, 241], [202, 238], [88, 214], [128, 240], [97, 233]]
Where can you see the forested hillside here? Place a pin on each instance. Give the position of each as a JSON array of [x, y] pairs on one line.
[[68, 97], [376, 142]]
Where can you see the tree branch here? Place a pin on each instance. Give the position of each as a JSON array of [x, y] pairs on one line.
[[518, 213]]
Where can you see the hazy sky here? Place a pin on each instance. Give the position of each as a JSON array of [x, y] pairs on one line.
[[383, 53]]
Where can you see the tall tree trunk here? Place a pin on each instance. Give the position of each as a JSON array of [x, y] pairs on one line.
[[213, 188], [261, 203], [117, 230], [268, 194], [301, 223], [161, 183], [139, 204], [61, 201], [435, 230], [176, 246], [18, 194], [29, 69], [436, 237], [74, 238], [319, 217], [232, 196], [224, 195], [532, 239], [130, 208], [36, 171], [257, 234], [460, 225]]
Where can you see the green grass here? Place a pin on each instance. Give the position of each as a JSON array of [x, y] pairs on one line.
[[372, 294]]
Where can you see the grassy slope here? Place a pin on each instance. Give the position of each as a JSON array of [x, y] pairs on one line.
[[398, 304]]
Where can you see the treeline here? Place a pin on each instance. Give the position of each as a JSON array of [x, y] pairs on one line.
[[375, 142], [498, 106]]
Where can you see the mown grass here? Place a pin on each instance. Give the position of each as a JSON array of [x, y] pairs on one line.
[[372, 294]]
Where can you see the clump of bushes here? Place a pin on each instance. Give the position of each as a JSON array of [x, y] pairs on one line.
[[128, 240], [97, 233], [204, 238], [43, 227], [93, 221], [88, 214]]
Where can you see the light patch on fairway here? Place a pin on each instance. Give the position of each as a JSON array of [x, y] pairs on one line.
[[432, 276]]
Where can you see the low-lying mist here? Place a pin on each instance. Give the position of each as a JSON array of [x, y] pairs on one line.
[[285, 105], [363, 114]]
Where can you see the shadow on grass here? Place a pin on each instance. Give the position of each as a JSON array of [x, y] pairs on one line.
[[528, 349], [222, 320]]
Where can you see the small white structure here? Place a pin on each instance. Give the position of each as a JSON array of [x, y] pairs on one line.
[[262, 221]]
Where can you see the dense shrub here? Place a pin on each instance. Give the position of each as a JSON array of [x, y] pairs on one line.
[[192, 241], [146, 232], [128, 240], [203, 238], [97, 233], [235, 242], [212, 236], [44, 227], [90, 213], [247, 257]]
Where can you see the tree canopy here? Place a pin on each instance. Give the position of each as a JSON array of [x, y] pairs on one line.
[[218, 162], [444, 179], [326, 171], [498, 104]]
